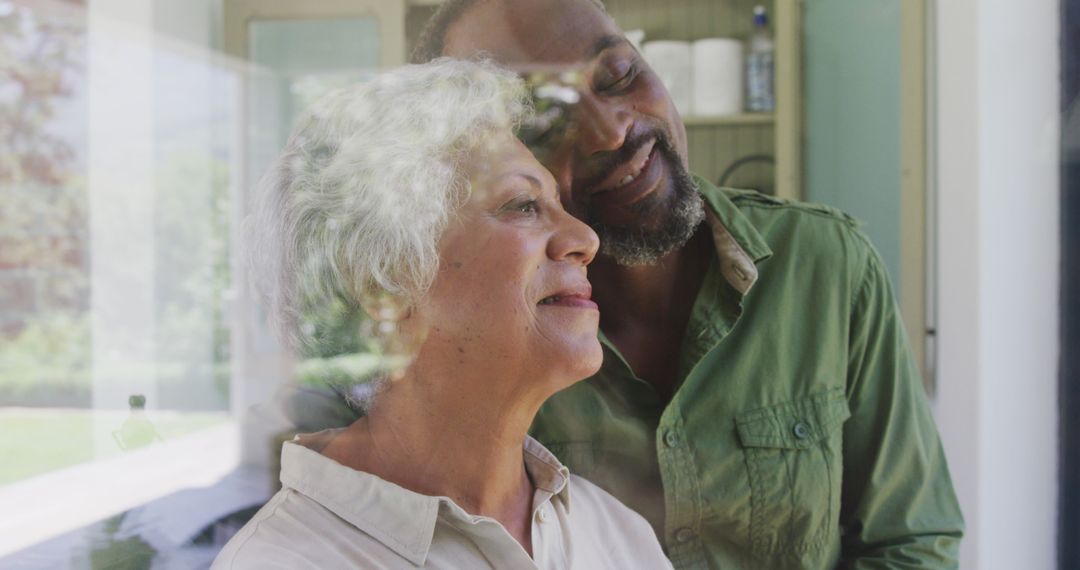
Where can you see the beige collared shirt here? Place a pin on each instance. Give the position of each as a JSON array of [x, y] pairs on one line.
[[330, 516]]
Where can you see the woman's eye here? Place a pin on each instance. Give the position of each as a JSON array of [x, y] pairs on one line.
[[524, 207], [528, 207]]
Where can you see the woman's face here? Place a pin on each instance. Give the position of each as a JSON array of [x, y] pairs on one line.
[[511, 295]]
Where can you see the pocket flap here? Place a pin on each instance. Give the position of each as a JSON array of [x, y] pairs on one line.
[[794, 425]]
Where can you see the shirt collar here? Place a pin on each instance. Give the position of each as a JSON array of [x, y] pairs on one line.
[[551, 478], [401, 519], [739, 245]]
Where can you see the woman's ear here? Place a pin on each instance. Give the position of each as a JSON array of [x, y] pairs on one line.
[[386, 308], [396, 328]]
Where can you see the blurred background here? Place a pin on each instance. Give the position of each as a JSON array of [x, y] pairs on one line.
[[133, 360]]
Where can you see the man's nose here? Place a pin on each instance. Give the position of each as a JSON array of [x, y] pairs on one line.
[[602, 125]]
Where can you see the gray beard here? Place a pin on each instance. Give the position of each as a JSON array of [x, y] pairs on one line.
[[684, 213]]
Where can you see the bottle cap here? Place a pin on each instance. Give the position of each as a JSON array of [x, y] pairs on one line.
[[761, 18]]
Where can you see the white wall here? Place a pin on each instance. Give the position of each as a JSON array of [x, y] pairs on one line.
[[998, 241]]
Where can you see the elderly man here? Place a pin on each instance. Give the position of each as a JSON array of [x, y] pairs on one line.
[[758, 402]]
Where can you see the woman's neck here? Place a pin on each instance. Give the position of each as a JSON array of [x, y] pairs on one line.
[[441, 442]]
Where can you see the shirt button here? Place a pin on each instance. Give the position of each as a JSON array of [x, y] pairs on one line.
[[671, 439], [684, 534], [801, 430], [542, 515]]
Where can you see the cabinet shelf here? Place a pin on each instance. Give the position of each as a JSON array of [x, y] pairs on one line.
[[731, 120]]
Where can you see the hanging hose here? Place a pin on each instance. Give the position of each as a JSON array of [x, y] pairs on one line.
[[766, 158]]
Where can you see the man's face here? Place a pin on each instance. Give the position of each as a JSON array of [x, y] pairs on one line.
[[621, 161]]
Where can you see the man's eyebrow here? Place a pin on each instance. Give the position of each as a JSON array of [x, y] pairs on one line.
[[608, 41]]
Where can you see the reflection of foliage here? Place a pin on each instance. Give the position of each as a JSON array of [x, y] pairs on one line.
[[341, 348], [107, 551], [193, 252], [45, 348], [52, 351], [353, 377], [45, 355], [40, 60], [338, 371], [333, 328], [44, 227], [553, 97], [37, 66], [193, 236], [49, 361]]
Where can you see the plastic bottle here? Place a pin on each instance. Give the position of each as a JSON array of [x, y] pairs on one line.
[[137, 431], [760, 97]]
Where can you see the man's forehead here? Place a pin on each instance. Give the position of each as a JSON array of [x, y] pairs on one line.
[[529, 31]]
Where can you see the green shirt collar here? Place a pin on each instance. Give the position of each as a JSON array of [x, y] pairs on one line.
[[739, 246]]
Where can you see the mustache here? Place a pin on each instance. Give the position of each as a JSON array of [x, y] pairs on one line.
[[606, 164]]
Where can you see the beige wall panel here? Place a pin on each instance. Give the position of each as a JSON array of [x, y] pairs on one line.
[[713, 148]]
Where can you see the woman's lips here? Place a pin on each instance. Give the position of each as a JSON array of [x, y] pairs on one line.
[[575, 302], [644, 183], [576, 298]]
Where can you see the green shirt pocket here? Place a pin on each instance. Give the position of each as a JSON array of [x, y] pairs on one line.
[[794, 464]]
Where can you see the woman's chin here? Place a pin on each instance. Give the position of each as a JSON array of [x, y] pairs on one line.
[[596, 359], [586, 361]]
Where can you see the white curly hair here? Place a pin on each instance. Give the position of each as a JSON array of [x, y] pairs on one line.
[[357, 201]]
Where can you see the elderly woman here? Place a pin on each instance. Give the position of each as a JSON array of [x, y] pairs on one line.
[[410, 197]]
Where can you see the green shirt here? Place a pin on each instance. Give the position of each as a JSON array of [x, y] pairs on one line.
[[800, 435]]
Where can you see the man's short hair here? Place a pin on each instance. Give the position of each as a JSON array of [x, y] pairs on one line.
[[432, 38]]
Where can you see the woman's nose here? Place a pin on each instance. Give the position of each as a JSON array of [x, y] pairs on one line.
[[573, 240]]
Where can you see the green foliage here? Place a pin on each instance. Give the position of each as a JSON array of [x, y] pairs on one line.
[[107, 551], [48, 363], [41, 60], [193, 257], [334, 328], [343, 370], [44, 237]]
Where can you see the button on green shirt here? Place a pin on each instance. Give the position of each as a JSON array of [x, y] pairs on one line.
[[800, 435]]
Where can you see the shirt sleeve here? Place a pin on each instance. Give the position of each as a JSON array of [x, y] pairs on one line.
[[898, 507]]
